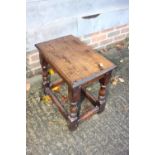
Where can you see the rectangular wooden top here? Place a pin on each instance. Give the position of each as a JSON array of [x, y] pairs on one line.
[[74, 61]]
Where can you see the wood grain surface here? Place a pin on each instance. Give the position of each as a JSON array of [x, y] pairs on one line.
[[73, 60]]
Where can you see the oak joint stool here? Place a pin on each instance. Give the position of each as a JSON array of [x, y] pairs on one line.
[[78, 65]]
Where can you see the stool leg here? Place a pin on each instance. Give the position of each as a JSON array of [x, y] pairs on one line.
[[45, 75], [102, 92], [74, 96], [80, 102]]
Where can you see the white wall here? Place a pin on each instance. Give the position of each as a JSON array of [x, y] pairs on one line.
[[49, 19]]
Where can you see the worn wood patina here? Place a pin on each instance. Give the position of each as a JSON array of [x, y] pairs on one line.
[[78, 65]]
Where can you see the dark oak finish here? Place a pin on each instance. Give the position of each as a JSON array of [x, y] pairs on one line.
[[56, 83], [74, 96], [90, 97], [75, 62], [89, 113], [45, 75], [57, 103], [102, 92], [78, 65]]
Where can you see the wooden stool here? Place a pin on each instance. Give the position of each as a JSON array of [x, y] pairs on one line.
[[78, 65]]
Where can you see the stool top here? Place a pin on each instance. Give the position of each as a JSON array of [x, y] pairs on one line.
[[73, 60]]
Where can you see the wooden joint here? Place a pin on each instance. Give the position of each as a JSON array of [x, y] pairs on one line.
[[90, 97], [56, 83], [57, 103], [88, 114]]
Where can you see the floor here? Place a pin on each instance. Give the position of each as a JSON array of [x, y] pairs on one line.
[[103, 134]]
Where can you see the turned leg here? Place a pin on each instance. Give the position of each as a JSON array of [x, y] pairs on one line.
[[45, 75], [80, 102], [102, 92], [74, 96]]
